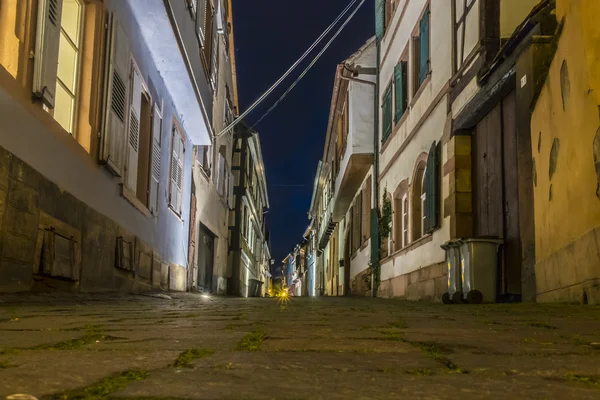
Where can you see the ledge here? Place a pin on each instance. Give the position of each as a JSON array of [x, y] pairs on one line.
[[132, 198], [413, 245]]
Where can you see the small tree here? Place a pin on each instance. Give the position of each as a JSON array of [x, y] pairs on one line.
[[385, 220]]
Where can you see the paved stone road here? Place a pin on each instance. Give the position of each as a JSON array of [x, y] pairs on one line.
[[191, 347]]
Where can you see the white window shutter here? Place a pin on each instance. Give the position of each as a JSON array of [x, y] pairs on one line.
[[47, 42], [112, 146], [221, 179], [156, 154], [221, 23], [133, 133], [201, 20], [176, 192]]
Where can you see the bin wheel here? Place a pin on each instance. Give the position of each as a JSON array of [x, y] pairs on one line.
[[458, 298], [474, 297], [446, 298]]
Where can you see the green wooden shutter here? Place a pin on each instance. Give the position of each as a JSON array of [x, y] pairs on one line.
[[432, 190], [424, 47], [379, 18], [400, 89], [387, 113]]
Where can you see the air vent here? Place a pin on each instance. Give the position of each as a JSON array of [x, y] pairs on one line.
[[118, 96]]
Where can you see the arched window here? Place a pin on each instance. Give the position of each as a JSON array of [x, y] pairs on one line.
[[418, 196], [401, 213]]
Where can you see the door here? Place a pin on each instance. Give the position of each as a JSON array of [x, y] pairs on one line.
[[206, 254], [347, 260], [495, 188]]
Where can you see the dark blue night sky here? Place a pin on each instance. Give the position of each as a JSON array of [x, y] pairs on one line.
[[270, 35]]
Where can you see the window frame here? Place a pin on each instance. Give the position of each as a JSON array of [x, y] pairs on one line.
[[176, 128], [77, 70], [387, 133], [415, 44]]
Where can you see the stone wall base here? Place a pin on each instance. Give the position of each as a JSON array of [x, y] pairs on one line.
[[572, 274], [52, 241], [426, 284]]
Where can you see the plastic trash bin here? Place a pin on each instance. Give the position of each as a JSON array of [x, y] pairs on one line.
[[479, 268], [454, 293]]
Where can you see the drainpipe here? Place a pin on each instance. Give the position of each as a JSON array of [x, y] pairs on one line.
[[374, 262]]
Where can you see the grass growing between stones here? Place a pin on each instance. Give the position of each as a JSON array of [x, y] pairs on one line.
[[437, 353], [251, 342], [400, 324], [587, 379], [419, 372], [542, 325], [103, 388], [6, 364], [184, 360], [75, 344]]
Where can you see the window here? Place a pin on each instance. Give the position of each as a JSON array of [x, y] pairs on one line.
[[466, 33], [387, 113], [432, 183], [203, 19], [404, 228], [423, 200], [421, 56], [204, 158], [139, 138], [223, 173], [400, 90], [177, 162], [68, 64], [418, 194], [366, 211]]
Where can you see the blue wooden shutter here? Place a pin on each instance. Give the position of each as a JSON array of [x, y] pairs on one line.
[[424, 47], [379, 18], [387, 113], [400, 90]]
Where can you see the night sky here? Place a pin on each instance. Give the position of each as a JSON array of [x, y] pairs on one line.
[[270, 35]]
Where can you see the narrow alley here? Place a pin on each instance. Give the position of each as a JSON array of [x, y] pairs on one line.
[[201, 347]]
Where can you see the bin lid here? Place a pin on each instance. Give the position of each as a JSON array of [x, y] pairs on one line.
[[450, 243]]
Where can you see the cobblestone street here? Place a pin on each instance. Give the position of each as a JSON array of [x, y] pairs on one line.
[[193, 347]]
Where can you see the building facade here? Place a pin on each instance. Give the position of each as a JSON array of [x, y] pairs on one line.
[[104, 102], [247, 221], [212, 194], [343, 192]]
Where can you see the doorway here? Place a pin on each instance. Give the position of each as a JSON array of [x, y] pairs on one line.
[[206, 259], [495, 177], [347, 260]]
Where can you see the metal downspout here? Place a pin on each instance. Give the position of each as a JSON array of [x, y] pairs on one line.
[[375, 256]]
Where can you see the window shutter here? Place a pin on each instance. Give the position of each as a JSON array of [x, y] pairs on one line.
[[214, 62], [208, 34], [133, 138], [387, 113], [176, 192], [45, 68], [432, 190], [112, 144], [231, 188], [379, 18], [367, 209], [424, 47], [156, 155], [398, 92], [201, 21]]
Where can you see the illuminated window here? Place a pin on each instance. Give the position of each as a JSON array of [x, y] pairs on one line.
[[68, 64]]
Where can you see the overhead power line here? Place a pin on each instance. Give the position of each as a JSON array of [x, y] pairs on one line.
[[289, 71], [293, 85]]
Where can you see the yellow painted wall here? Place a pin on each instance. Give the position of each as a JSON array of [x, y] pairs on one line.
[[512, 13], [18, 20], [574, 209]]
